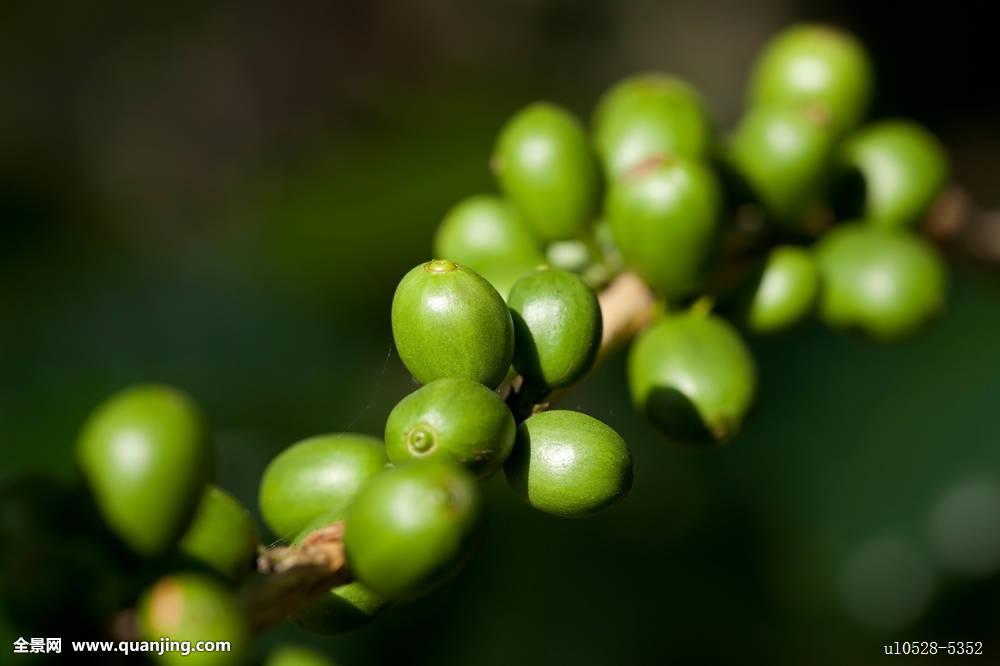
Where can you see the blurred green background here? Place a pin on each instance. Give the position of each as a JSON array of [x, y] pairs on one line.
[[222, 196]]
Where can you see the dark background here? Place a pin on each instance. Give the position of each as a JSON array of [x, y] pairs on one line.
[[222, 196]]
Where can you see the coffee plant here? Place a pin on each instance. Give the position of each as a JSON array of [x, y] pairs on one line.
[[648, 224]]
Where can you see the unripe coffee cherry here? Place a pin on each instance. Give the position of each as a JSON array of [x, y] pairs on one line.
[[569, 464], [452, 417], [784, 156], [411, 527], [665, 217], [693, 377], [557, 327], [448, 321], [222, 534], [786, 292], [344, 608], [146, 458], [650, 116], [296, 655], [881, 281], [815, 64], [903, 167], [489, 235], [545, 166], [316, 477], [193, 607]]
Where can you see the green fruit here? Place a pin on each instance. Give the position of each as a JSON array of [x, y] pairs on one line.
[[903, 167], [146, 458], [693, 377], [295, 655], [569, 464], [787, 291], [489, 235], [544, 165], [650, 116], [448, 321], [316, 477], [575, 256], [884, 282], [815, 64], [193, 607], [784, 156], [222, 534], [557, 327], [345, 608], [452, 417], [665, 221], [412, 526]]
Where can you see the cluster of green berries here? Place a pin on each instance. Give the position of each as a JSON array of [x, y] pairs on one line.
[[511, 302], [653, 188]]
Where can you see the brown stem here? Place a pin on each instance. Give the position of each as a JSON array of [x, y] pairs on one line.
[[956, 221], [290, 578]]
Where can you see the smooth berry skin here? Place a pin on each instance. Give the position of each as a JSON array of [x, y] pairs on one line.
[[455, 418], [557, 327], [342, 610], [222, 535], [146, 458], [489, 235], [785, 156], [665, 221], [650, 116], [544, 164], [569, 464], [815, 64], [903, 167], [884, 282], [193, 607], [315, 477], [448, 321], [411, 527], [345, 608], [296, 655], [787, 291], [693, 377]]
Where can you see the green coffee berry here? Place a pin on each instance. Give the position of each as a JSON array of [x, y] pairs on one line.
[[345, 608], [815, 64], [448, 321], [903, 167], [222, 534], [693, 377], [296, 655], [146, 458], [884, 282], [315, 477], [544, 165], [452, 417], [489, 235], [650, 116], [665, 220], [412, 526], [784, 156], [786, 292], [575, 256], [557, 327], [569, 464], [193, 607]]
